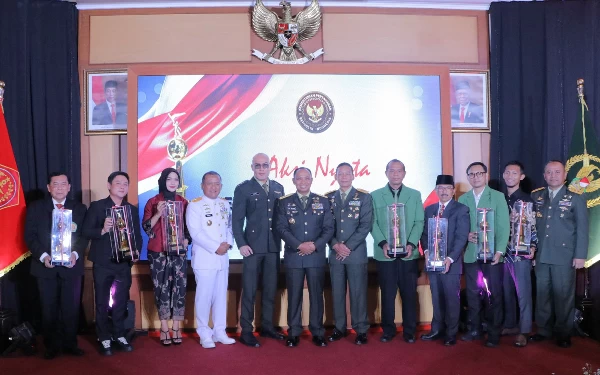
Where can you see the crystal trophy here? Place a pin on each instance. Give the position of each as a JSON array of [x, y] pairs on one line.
[[61, 237], [396, 237], [122, 236], [522, 219], [172, 226], [485, 235], [437, 244]]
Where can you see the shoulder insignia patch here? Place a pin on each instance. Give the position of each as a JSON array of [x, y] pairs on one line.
[[288, 195]]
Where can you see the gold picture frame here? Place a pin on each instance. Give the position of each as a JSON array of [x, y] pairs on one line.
[[105, 101], [470, 101]]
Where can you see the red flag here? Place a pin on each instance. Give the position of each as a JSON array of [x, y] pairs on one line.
[[12, 205], [431, 199]]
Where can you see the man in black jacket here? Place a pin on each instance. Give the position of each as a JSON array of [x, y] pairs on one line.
[[59, 286], [97, 227]]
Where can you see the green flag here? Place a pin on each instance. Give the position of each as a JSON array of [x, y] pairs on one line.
[[583, 170]]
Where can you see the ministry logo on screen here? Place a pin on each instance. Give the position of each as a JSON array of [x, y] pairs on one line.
[[315, 112]]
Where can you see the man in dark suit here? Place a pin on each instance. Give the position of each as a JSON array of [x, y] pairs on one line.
[[562, 224], [445, 286], [517, 268], [465, 111], [353, 214], [59, 286], [305, 223], [254, 203], [97, 227], [110, 111]]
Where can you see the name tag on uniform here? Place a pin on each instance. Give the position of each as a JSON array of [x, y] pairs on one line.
[[253, 194], [564, 203], [208, 215], [317, 206], [354, 203]]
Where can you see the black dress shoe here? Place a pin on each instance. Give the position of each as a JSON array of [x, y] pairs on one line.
[[74, 351], [450, 341], [105, 348], [319, 341], [50, 353], [337, 335], [408, 338], [432, 335], [386, 338], [361, 339], [470, 336], [564, 343], [249, 340], [123, 345], [272, 335], [537, 338], [491, 344], [292, 341]]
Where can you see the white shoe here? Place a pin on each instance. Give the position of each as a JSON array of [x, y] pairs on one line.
[[223, 339], [207, 343]]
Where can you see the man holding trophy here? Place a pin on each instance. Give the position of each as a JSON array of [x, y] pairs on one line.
[[397, 228], [488, 238], [519, 255], [113, 225], [444, 238], [53, 233]]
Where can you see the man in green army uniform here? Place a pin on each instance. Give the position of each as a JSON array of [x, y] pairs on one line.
[[396, 273], [562, 224], [482, 196]]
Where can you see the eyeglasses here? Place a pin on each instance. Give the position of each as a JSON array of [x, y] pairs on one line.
[[261, 166], [476, 174]]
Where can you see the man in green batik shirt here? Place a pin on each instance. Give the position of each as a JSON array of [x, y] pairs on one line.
[[397, 273]]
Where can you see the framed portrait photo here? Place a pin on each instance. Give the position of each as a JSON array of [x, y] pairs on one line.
[[469, 100], [105, 102]]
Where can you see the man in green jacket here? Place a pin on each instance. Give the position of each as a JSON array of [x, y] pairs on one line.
[[396, 273], [482, 196]]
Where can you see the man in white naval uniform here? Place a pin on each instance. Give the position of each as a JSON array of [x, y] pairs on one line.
[[209, 223]]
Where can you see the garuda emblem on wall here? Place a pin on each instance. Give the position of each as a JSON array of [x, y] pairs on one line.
[[286, 32]]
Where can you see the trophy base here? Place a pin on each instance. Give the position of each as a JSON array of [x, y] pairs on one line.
[[435, 266], [399, 253], [520, 251], [488, 258], [177, 250], [125, 256], [60, 262]]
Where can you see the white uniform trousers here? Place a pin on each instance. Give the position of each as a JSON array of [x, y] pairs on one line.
[[211, 291]]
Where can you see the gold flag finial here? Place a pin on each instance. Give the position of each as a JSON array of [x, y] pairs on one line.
[[580, 88], [2, 95]]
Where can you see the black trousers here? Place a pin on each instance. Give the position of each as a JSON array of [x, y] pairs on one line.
[[60, 299], [315, 278], [257, 267], [445, 298], [402, 275], [355, 276], [104, 277], [476, 292]]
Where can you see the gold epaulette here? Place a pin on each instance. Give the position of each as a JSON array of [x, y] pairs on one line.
[[329, 192], [538, 189], [322, 196], [196, 199], [363, 191], [285, 196]]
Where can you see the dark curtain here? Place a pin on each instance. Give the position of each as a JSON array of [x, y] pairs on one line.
[[38, 63], [538, 51]]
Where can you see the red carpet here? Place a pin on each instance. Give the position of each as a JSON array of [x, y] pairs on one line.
[[340, 358]]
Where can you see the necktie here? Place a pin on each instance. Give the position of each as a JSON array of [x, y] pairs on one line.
[[113, 113], [551, 195], [304, 199], [462, 114], [59, 206], [441, 211], [343, 195], [265, 186]]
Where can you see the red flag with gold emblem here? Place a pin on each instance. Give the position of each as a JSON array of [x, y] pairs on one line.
[[12, 203]]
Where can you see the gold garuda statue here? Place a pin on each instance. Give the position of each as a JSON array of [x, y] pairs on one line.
[[286, 32]]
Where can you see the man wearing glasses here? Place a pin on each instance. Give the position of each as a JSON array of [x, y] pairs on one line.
[[260, 245], [482, 196]]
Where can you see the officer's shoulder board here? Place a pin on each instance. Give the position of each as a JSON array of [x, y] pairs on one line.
[[329, 192], [243, 183], [277, 183], [288, 195], [363, 191], [196, 199], [319, 195], [538, 189]]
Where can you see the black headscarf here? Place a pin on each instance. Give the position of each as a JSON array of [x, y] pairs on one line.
[[162, 183]]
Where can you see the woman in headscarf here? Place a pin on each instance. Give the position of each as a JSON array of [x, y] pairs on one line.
[[169, 272]]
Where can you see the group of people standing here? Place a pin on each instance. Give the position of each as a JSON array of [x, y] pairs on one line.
[[262, 215]]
